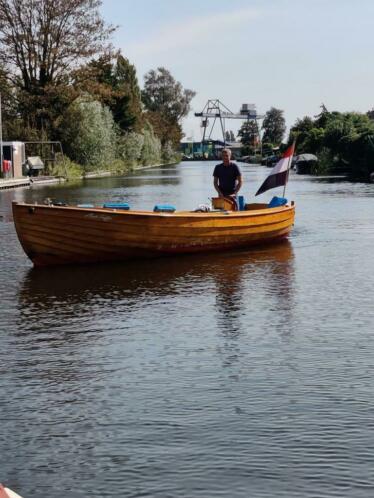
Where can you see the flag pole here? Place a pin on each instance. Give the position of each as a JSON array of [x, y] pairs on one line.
[[288, 168]]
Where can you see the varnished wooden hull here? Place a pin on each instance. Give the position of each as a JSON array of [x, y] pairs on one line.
[[53, 235]]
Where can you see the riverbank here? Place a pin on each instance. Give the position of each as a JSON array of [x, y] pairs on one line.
[[45, 180]]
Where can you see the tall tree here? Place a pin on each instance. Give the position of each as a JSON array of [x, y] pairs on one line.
[[248, 134], [42, 41], [127, 108], [167, 102], [274, 126], [111, 79]]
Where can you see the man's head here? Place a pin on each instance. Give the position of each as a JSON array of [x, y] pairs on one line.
[[226, 156]]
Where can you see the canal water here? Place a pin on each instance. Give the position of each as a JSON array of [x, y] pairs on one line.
[[238, 374]]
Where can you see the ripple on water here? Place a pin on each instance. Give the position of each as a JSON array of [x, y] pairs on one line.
[[235, 374]]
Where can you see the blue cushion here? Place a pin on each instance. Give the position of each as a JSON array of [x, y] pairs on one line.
[[117, 205], [277, 201], [85, 205], [164, 208]]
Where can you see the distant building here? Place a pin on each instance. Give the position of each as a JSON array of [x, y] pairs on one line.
[[210, 149]]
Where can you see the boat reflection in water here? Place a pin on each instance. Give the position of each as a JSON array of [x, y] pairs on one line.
[[248, 281], [233, 283]]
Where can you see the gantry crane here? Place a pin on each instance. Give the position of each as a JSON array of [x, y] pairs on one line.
[[214, 109]]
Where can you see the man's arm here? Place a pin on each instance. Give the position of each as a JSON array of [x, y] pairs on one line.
[[239, 183], [216, 186]]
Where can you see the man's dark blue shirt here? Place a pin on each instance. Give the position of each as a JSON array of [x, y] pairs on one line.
[[227, 176]]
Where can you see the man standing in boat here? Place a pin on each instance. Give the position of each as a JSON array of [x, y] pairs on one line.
[[227, 176]]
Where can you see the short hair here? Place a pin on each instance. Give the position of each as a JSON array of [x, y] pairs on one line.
[[226, 150]]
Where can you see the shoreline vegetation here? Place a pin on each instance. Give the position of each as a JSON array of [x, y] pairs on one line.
[[72, 86], [71, 170], [343, 142]]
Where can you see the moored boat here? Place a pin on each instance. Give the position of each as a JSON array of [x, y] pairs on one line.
[[52, 235]]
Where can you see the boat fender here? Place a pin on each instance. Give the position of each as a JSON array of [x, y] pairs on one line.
[[85, 205], [117, 205], [163, 208], [277, 201]]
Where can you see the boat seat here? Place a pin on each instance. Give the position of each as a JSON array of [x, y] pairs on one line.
[[163, 208], [117, 205], [277, 201]]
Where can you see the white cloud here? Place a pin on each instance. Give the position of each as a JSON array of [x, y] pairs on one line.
[[191, 32]]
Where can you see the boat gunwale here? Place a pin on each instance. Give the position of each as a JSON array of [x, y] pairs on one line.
[[177, 214]]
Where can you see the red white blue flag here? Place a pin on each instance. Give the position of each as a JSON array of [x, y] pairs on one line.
[[279, 174]]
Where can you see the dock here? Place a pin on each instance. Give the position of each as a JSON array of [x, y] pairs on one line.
[[28, 182], [14, 183]]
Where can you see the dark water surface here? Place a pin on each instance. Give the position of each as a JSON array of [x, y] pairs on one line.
[[243, 374]]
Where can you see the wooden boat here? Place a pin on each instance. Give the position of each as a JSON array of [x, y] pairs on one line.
[[53, 235]]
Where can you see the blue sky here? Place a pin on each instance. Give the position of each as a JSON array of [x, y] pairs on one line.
[[290, 54]]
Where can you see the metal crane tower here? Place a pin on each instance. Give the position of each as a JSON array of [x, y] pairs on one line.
[[215, 110]]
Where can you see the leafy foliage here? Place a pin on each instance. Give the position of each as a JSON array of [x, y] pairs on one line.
[[112, 80], [40, 43], [274, 126], [130, 147], [61, 80], [342, 141], [167, 103], [89, 133], [151, 151], [248, 134]]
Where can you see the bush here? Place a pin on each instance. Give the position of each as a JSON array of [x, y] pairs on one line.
[[89, 134], [169, 155], [66, 168], [130, 148], [151, 151]]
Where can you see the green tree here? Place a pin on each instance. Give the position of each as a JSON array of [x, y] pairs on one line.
[[248, 134], [112, 80], [166, 102], [343, 142], [274, 126], [127, 107], [308, 136], [40, 43]]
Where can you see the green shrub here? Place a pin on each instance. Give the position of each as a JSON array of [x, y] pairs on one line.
[[130, 146], [89, 134], [151, 151], [66, 168]]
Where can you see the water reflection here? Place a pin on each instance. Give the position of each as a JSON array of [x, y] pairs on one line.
[[242, 286], [115, 281], [73, 305]]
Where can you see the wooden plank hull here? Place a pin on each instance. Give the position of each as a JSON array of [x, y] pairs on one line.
[[53, 235]]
